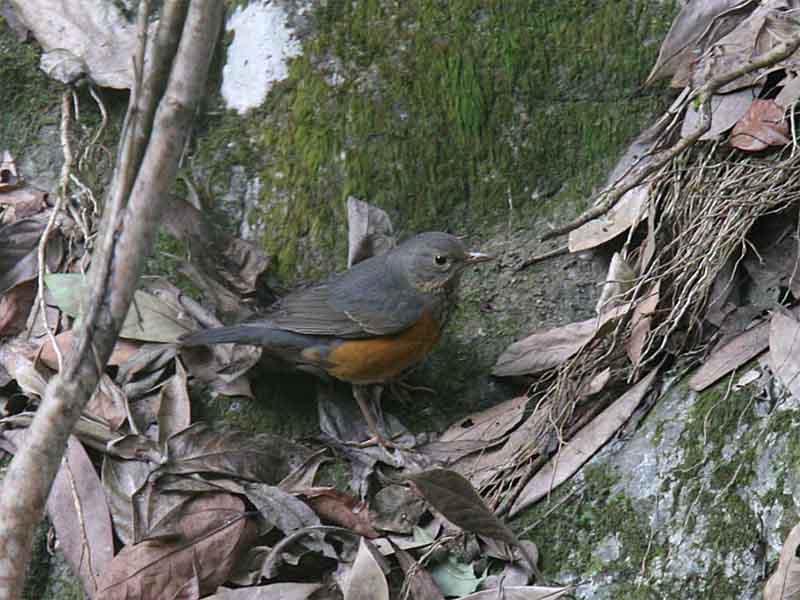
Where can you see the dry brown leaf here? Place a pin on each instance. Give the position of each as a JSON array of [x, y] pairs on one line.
[[454, 497], [726, 110], [341, 509], [273, 591], [619, 279], [751, 37], [108, 403], [370, 231], [641, 323], [626, 213], [733, 354], [699, 24], [762, 126], [303, 477], [544, 350], [489, 424], [784, 583], [226, 451], [77, 507], [784, 350], [279, 508], [15, 305], [18, 244], [790, 92], [123, 350], [582, 446], [215, 532], [420, 582], [121, 480], [174, 406], [14, 360], [23, 202], [480, 468], [366, 580]]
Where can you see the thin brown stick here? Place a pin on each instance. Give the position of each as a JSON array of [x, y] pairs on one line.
[[636, 175], [537, 258]]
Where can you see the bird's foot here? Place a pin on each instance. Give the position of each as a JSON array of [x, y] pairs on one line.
[[378, 439]]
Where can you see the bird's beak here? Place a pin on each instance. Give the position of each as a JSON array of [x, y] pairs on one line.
[[474, 258]]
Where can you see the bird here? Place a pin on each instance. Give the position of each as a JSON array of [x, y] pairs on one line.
[[367, 326]]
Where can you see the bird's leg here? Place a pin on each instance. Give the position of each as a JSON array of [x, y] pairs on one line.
[[363, 394]]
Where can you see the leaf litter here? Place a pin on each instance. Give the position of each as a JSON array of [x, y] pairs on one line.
[[177, 490]]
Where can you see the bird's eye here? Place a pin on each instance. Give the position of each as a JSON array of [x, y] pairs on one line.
[[440, 260]]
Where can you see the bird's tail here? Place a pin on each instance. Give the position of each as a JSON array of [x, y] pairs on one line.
[[253, 334]]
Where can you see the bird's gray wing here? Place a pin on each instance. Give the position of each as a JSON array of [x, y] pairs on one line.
[[367, 300]]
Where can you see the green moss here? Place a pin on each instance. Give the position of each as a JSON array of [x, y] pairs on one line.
[[443, 114], [26, 95]]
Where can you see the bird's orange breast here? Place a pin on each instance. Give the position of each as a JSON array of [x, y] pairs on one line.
[[382, 358]]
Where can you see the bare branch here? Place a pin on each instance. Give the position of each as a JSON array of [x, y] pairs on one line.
[[144, 174]]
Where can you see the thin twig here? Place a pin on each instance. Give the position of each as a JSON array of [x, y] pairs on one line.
[[652, 163], [61, 198], [560, 251]]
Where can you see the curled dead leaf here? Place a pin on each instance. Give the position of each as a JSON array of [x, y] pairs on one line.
[[762, 126]]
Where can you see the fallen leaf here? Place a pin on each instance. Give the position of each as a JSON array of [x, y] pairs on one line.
[[174, 406], [262, 457], [626, 213], [454, 497], [77, 507], [121, 480], [544, 350], [370, 231], [733, 354], [726, 111], [18, 246], [737, 48], [520, 593], [582, 446], [273, 591], [697, 26], [15, 306], [23, 202], [641, 322], [489, 424], [763, 125], [420, 582], [784, 583], [247, 572], [215, 532], [108, 403], [784, 350], [341, 509], [366, 580], [280, 509], [619, 279], [454, 578], [303, 477], [150, 319], [790, 90], [122, 352], [14, 360]]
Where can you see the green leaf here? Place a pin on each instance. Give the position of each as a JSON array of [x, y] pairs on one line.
[[151, 317], [454, 578]]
